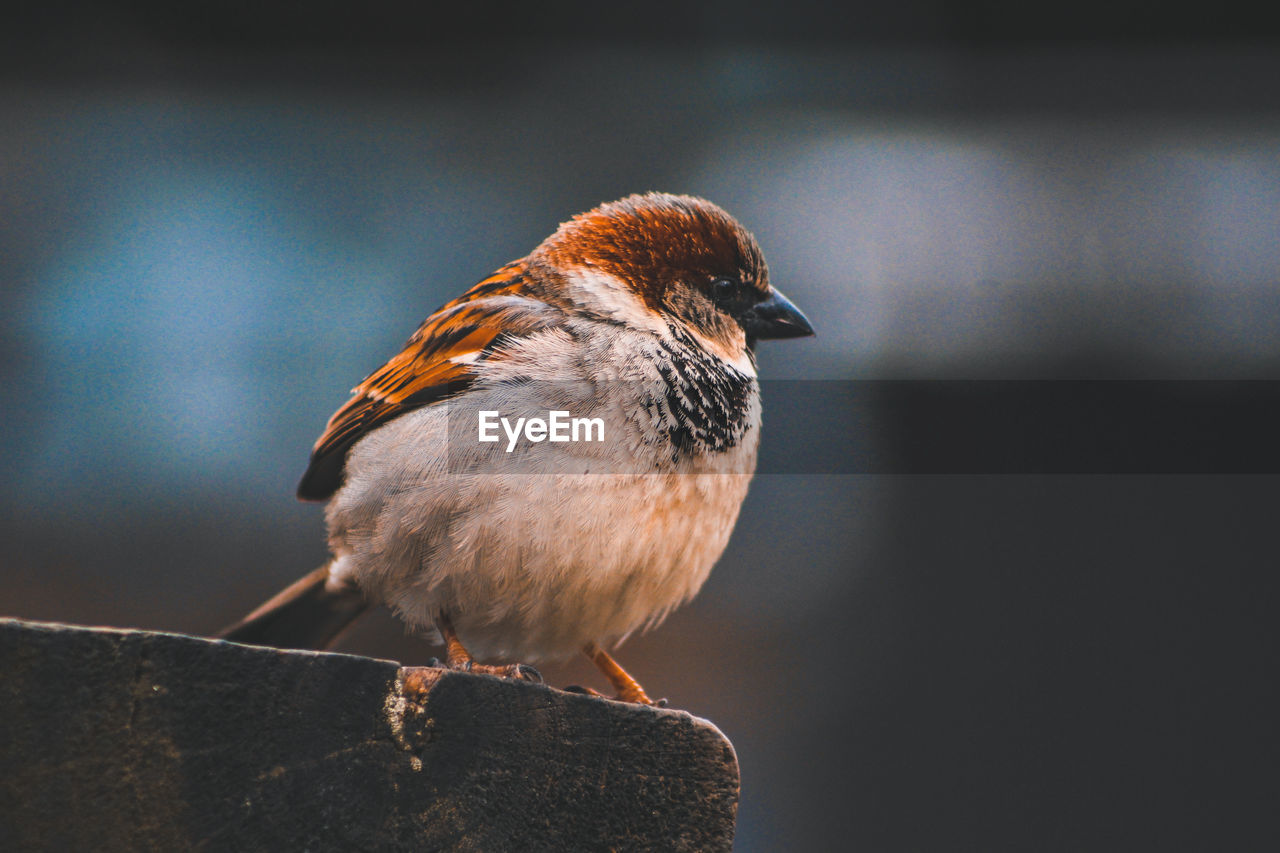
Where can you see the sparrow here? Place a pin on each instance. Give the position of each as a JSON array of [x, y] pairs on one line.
[[642, 314]]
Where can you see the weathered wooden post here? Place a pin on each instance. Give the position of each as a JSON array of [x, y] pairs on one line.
[[133, 740]]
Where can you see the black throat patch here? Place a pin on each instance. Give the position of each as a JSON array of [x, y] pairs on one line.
[[703, 404]]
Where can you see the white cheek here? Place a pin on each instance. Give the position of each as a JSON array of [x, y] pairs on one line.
[[611, 297], [743, 363], [732, 352]]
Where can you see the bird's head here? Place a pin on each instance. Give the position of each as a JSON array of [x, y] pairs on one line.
[[656, 261]]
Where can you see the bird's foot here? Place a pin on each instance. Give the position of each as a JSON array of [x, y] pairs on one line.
[[459, 659], [629, 690], [642, 699], [518, 671]]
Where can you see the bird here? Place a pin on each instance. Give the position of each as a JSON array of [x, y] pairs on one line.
[[641, 314]]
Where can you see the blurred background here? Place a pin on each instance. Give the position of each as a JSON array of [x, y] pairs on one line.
[[217, 218]]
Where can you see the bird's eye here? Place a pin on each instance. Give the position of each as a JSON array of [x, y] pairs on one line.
[[724, 286]]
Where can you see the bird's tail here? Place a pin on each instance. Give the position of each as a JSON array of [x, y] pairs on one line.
[[307, 614]]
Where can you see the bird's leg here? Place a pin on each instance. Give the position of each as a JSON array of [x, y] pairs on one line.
[[629, 690], [458, 658], [456, 654]]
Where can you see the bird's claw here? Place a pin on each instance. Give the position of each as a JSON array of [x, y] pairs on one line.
[[584, 691], [587, 691], [518, 671], [528, 673]]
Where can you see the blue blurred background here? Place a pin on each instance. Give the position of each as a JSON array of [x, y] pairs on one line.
[[216, 221]]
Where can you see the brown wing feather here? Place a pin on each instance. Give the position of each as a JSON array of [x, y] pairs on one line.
[[472, 327]]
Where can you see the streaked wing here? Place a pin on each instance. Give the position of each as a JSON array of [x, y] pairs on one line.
[[438, 362]]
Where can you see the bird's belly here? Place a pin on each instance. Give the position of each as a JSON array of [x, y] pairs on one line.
[[568, 559], [529, 561]]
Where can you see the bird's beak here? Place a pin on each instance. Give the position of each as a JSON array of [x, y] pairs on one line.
[[775, 317]]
